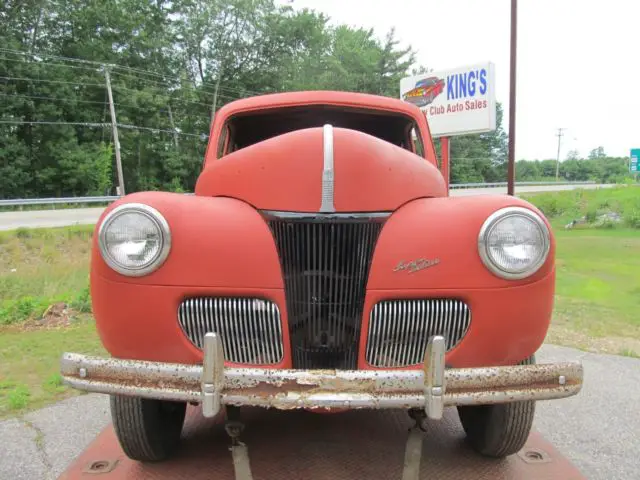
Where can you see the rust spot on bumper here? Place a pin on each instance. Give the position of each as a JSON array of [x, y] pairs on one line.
[[286, 389]]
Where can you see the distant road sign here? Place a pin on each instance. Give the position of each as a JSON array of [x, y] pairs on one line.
[[633, 164]]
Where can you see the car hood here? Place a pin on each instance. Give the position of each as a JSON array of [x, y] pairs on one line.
[[322, 170]]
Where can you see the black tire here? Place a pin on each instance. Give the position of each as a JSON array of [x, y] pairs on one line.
[[148, 430], [498, 430]]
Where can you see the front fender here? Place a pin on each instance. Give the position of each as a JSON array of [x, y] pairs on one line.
[[444, 232], [215, 242], [510, 318]]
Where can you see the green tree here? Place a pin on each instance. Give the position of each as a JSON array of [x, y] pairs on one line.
[[170, 61], [597, 153], [480, 158]]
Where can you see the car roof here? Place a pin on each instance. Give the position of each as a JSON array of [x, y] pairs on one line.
[[319, 97]]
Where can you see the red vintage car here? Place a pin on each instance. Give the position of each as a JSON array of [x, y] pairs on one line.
[[322, 265]]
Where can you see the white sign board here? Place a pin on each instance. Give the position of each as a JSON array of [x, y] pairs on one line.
[[456, 102]]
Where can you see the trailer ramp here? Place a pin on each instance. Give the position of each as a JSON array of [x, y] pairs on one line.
[[357, 444]]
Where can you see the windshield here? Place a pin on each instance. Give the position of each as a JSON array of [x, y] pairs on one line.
[[250, 128]]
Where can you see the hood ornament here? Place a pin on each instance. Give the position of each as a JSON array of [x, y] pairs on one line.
[[413, 266]]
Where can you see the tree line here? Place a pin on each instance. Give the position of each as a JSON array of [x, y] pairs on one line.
[[469, 167], [172, 63]]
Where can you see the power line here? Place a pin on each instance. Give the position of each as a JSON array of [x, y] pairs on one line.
[[78, 84], [148, 80], [19, 95], [559, 135], [41, 54], [96, 125], [45, 122], [164, 84], [158, 130], [40, 62], [126, 68], [95, 102]]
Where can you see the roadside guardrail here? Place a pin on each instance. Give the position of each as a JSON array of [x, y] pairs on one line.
[[19, 202]]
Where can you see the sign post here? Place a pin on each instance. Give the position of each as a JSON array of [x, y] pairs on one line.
[[511, 160], [634, 160], [444, 160]]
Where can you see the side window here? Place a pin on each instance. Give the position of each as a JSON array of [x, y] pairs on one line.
[[417, 142], [223, 141]]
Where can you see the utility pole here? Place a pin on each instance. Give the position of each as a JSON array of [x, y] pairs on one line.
[[215, 98], [511, 160], [559, 135], [173, 127], [114, 127]]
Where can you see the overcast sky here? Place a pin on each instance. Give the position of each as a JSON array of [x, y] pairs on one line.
[[578, 61]]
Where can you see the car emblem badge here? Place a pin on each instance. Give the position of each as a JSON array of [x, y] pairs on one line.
[[416, 265]]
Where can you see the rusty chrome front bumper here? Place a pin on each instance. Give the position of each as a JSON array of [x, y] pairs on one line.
[[214, 385]]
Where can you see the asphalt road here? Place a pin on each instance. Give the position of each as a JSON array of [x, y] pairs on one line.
[[89, 216], [598, 430]]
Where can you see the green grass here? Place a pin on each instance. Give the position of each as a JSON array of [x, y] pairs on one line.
[[41, 267], [598, 285], [564, 206], [598, 269], [30, 363]]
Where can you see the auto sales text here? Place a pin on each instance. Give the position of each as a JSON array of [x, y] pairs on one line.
[[457, 107]]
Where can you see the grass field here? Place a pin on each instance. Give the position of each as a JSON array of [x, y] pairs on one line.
[[597, 293], [597, 302], [44, 310], [41, 267], [29, 362]]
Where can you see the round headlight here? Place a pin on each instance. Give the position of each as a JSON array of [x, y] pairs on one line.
[[134, 239], [514, 242]]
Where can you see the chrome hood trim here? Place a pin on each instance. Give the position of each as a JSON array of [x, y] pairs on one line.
[[326, 205]]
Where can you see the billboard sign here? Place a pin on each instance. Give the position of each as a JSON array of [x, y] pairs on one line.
[[456, 102], [633, 164]]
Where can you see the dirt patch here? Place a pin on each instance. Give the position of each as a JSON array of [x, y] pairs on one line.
[[626, 346], [56, 316]]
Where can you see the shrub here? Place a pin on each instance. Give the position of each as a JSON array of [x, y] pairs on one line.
[[548, 205], [82, 301], [591, 216], [14, 311], [607, 224], [18, 397], [23, 233], [632, 218], [54, 383]]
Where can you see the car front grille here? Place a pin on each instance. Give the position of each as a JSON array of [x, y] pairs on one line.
[[325, 262], [250, 328], [399, 329]]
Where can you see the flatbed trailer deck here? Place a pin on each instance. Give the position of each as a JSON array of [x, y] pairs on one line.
[[357, 444]]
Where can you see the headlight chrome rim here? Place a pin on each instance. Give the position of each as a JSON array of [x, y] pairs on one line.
[[152, 214], [491, 222]]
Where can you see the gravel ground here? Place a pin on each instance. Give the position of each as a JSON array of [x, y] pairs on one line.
[[598, 430]]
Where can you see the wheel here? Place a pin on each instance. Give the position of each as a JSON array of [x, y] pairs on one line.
[[148, 430], [498, 430]]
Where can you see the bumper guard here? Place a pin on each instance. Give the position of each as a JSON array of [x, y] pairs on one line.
[[213, 385]]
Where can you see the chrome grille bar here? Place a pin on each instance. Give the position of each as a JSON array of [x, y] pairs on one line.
[[400, 329], [325, 262], [250, 328]]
